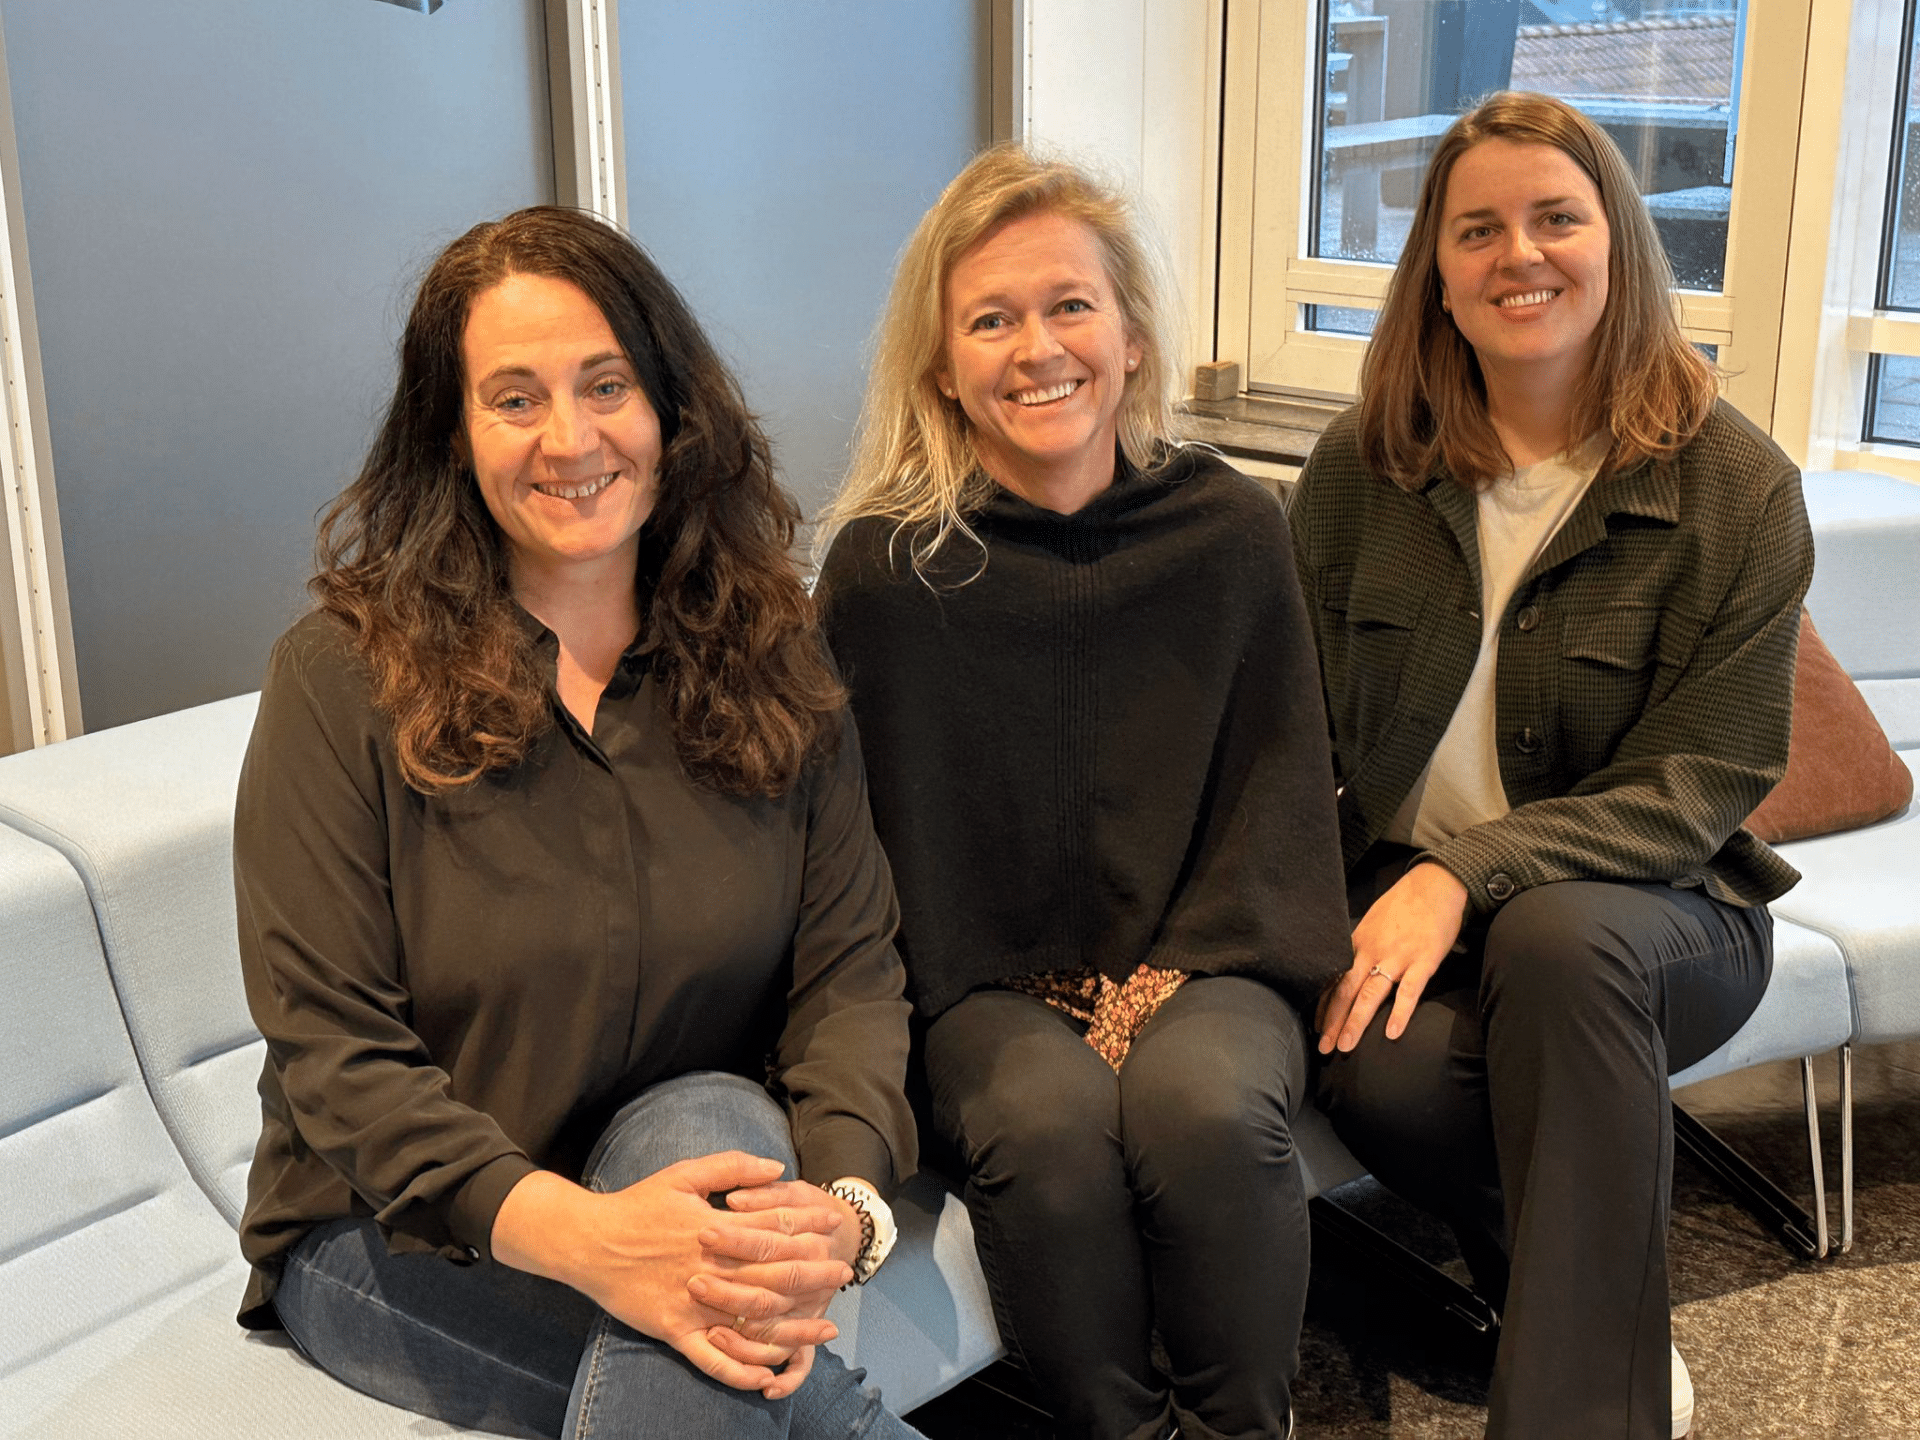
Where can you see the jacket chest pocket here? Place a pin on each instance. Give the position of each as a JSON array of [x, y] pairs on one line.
[[1368, 624], [1609, 675]]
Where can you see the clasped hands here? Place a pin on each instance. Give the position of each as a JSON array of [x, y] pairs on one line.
[[1397, 946], [775, 1258], [741, 1292]]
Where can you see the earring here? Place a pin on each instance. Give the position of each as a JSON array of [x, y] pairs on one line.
[[1132, 364], [1446, 304]]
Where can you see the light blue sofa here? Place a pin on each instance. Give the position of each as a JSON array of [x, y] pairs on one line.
[[1860, 889], [129, 1117], [128, 1111]]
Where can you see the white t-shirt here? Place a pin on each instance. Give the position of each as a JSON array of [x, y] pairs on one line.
[[1514, 519]]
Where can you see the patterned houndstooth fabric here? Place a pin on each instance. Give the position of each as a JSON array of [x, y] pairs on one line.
[[1645, 682]]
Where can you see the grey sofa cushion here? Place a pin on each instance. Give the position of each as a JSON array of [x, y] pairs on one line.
[[1806, 1010], [118, 1276], [1860, 888], [180, 1369], [101, 1220], [144, 813], [1866, 588]]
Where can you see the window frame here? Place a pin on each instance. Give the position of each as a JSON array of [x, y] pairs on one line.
[[39, 688], [1266, 276], [1833, 325], [583, 82]]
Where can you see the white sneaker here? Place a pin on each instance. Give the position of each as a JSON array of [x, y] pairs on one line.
[[1682, 1397]]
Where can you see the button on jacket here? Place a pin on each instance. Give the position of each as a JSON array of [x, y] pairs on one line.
[[459, 988], [1644, 688]]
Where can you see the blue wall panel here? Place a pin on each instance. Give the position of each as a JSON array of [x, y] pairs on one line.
[[224, 203], [777, 157]]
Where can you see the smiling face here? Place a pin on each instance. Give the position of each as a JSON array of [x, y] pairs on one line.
[[1037, 354], [563, 441], [1523, 253]]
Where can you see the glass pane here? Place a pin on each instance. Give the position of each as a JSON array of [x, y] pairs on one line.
[[1895, 392], [1661, 76], [1338, 319], [1900, 284]]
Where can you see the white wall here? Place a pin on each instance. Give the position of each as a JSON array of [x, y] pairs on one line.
[[1132, 86]]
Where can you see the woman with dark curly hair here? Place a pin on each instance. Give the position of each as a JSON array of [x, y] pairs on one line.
[[560, 908]]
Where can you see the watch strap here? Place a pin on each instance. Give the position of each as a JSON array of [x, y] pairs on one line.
[[877, 1230]]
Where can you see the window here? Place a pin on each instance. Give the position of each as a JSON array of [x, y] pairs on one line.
[[1395, 73], [1319, 178], [1848, 395], [1778, 145], [1893, 380]]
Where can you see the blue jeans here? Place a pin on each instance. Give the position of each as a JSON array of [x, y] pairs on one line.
[[493, 1348]]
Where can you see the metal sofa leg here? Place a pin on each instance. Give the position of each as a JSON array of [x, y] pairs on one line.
[[1811, 1099], [1846, 1147], [1765, 1201]]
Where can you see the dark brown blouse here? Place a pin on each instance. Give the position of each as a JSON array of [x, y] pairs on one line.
[[457, 990]]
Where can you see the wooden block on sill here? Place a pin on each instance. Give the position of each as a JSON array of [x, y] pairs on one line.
[[1216, 380]]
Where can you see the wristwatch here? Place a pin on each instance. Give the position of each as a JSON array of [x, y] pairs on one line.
[[877, 1232]]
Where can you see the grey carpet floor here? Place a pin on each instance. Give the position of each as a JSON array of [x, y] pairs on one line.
[[1778, 1346]]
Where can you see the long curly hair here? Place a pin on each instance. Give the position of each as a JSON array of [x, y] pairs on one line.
[[914, 461], [411, 561], [1423, 400]]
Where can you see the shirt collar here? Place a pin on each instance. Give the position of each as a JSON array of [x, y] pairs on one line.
[[633, 660], [1649, 488]]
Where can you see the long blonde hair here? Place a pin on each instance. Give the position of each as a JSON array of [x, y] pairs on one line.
[[914, 460], [1423, 401]]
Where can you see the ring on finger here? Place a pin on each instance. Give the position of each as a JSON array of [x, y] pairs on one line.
[[740, 1326], [1376, 970]]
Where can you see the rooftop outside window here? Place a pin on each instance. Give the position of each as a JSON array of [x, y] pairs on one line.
[[1661, 76]]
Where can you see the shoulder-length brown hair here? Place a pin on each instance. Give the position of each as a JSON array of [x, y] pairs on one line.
[[914, 461], [1423, 400], [411, 560]]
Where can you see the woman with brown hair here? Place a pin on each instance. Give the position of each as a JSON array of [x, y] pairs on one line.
[[1078, 657], [560, 908], [1555, 587]]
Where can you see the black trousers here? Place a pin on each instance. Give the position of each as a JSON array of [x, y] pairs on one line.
[[1527, 1106], [1164, 1199]]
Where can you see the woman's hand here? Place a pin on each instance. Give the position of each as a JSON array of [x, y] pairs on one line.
[[634, 1251], [1399, 942], [757, 1262]]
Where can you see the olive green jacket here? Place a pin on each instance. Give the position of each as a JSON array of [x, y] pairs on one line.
[[1644, 688]]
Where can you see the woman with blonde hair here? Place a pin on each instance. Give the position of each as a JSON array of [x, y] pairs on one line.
[[1084, 681], [1555, 587]]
